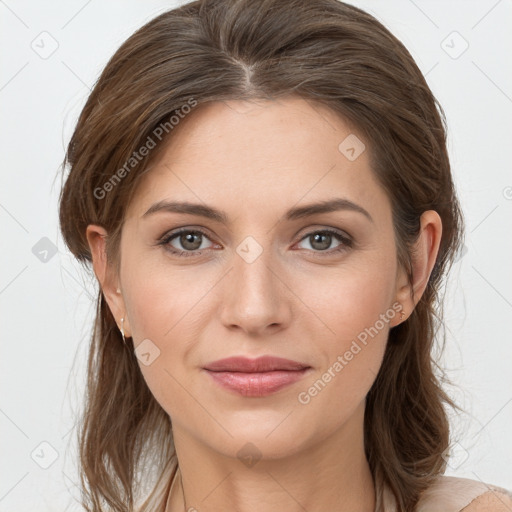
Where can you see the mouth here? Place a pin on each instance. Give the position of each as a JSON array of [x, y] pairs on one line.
[[256, 377]]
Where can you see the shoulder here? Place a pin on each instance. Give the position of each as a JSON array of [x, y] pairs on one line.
[[491, 501], [455, 494]]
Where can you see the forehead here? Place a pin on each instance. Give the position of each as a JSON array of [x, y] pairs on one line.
[[275, 153]]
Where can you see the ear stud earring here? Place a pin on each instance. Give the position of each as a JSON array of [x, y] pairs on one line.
[[122, 330], [122, 323]]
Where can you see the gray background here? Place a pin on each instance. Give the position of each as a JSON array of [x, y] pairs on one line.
[[52, 55]]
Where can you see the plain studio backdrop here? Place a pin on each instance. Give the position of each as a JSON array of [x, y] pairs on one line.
[[52, 54]]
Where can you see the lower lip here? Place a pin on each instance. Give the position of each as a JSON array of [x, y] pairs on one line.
[[257, 384]]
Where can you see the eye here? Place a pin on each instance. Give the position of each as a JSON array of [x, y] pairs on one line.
[[191, 242], [320, 241]]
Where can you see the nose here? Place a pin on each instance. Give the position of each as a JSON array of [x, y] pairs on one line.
[[256, 298]]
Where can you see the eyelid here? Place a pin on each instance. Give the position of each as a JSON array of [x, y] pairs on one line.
[[326, 229], [178, 231]]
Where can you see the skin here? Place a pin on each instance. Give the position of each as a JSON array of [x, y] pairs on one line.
[[255, 161]]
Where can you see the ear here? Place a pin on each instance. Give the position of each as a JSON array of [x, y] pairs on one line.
[[423, 258], [106, 275]]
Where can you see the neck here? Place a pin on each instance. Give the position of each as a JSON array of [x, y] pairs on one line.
[[330, 474]]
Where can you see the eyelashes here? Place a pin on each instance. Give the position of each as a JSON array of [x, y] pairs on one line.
[[346, 242]]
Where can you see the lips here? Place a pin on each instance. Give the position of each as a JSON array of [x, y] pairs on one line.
[[261, 364], [256, 377]]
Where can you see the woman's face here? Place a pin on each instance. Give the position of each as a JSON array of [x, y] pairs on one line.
[[268, 274]]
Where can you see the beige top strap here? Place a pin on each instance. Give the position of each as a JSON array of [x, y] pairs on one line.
[[452, 494]]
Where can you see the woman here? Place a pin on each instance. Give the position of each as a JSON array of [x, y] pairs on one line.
[[264, 192]]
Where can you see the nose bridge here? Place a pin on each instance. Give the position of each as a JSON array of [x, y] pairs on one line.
[[256, 298]]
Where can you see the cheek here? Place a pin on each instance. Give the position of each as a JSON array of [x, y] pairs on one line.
[[355, 305], [351, 361], [353, 296], [160, 300], [162, 307]]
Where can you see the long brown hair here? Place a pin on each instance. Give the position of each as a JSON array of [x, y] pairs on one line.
[[217, 50]]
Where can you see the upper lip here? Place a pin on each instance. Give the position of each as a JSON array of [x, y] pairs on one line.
[[260, 364]]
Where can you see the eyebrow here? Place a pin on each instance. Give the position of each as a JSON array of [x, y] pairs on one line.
[[295, 213]]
